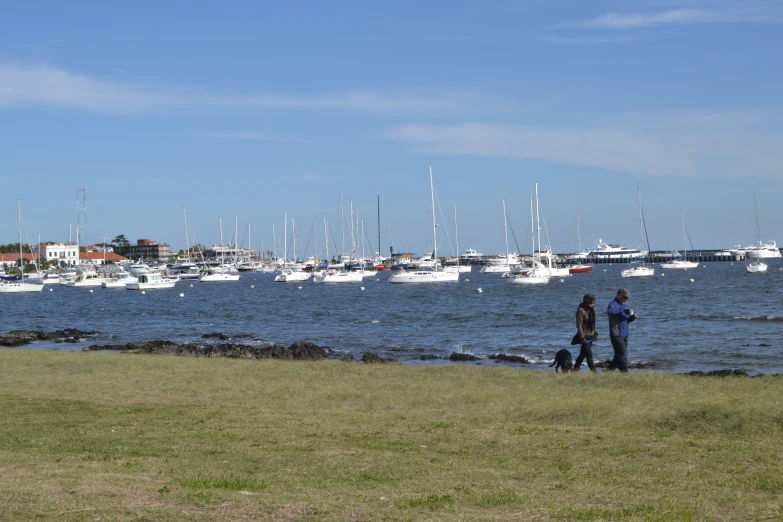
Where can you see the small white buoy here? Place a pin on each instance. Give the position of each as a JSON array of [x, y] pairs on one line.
[[252, 286], [732, 264], [361, 288], [467, 280], [90, 290], [377, 279], [191, 285], [691, 280], [181, 294], [51, 289], [479, 290], [662, 275], [780, 269], [604, 269], [143, 292], [299, 287], [562, 281]]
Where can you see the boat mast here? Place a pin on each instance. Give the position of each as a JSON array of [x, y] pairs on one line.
[[326, 238], [684, 244], [538, 224], [505, 227], [456, 232], [756, 215], [285, 239], [19, 220], [342, 224], [222, 250], [434, 236], [578, 235], [532, 231], [378, 198], [187, 239]]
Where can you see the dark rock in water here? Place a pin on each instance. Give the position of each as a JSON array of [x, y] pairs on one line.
[[503, 357], [297, 351], [720, 373], [23, 337], [215, 335], [429, 357], [463, 357], [370, 357]]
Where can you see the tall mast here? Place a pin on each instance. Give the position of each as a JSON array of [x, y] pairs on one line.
[[456, 232], [532, 231], [538, 223], [342, 224], [684, 244], [222, 250], [285, 239], [505, 227], [187, 239], [434, 235], [326, 239], [379, 226], [578, 236], [236, 239], [756, 214], [19, 220]]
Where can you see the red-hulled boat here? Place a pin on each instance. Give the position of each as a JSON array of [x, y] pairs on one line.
[[580, 269]]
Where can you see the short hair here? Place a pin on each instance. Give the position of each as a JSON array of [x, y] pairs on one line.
[[588, 298]]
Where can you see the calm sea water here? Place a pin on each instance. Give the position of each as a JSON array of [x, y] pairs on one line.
[[724, 318]]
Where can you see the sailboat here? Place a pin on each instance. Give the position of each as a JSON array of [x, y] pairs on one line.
[[757, 266], [501, 264], [222, 272], [427, 276], [682, 263], [20, 286], [537, 274], [458, 267], [579, 267], [639, 269]]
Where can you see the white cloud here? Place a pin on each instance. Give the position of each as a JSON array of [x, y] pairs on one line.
[[684, 16], [52, 87], [727, 145]]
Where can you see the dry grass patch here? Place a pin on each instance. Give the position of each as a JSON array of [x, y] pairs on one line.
[[165, 438]]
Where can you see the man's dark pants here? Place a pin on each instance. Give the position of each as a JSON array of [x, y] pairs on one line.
[[620, 361]]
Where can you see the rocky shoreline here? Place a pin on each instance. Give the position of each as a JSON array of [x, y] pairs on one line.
[[260, 349]]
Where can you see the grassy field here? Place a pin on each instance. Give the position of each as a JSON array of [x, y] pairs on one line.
[[137, 437]]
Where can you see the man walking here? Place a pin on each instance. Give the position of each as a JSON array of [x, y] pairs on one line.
[[619, 317]]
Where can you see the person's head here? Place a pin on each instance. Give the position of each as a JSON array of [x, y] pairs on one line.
[[588, 300], [623, 295]]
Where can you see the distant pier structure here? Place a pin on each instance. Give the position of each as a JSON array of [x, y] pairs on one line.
[[702, 256]]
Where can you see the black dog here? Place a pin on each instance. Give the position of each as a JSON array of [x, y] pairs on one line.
[[563, 360]]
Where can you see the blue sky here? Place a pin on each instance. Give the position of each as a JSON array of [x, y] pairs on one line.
[[255, 110]]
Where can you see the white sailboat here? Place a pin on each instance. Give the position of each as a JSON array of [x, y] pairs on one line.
[[427, 276], [681, 263], [20, 286], [757, 266], [458, 267], [538, 274], [502, 264], [546, 253], [638, 268], [222, 272]]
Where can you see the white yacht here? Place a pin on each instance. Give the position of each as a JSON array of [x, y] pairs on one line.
[[151, 281], [768, 250], [338, 276], [119, 282], [85, 278], [638, 269], [471, 256], [217, 274], [604, 251], [289, 275]]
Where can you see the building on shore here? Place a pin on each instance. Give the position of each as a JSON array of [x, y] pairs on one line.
[[147, 250], [60, 254]]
